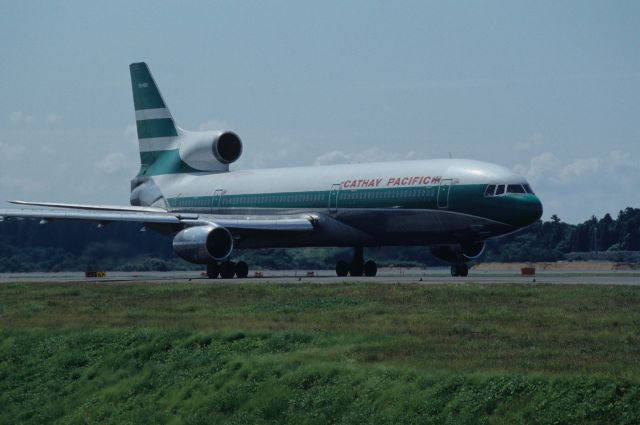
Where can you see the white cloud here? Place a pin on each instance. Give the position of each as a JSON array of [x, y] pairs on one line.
[[48, 151], [11, 152], [213, 124], [577, 188], [539, 167], [618, 160], [19, 117], [535, 140], [131, 134], [333, 157], [112, 162], [63, 167], [283, 149], [53, 118], [549, 168], [373, 154], [579, 168], [22, 185]]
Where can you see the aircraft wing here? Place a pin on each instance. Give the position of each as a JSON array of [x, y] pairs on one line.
[[159, 216], [90, 207]]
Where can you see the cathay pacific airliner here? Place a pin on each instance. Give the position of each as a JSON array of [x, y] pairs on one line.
[[185, 188]]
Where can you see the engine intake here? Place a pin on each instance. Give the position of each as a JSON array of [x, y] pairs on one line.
[[227, 147], [203, 244], [472, 250]]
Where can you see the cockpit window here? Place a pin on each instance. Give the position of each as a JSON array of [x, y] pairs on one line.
[[515, 188], [503, 189], [490, 189]]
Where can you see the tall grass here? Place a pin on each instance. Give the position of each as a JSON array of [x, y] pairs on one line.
[[353, 353]]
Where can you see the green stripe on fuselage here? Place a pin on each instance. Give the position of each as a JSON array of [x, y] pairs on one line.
[[417, 197], [163, 127], [514, 209]]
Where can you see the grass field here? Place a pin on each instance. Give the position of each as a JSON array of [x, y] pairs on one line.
[[348, 353]]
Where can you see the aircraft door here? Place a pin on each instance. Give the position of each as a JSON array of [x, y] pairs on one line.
[[333, 199], [443, 193], [216, 200]]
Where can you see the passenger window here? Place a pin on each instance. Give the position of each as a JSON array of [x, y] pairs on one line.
[[490, 190], [500, 190], [515, 188]]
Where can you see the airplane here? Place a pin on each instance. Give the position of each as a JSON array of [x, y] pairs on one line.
[[185, 188]]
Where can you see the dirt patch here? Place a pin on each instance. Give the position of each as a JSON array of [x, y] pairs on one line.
[[561, 266]]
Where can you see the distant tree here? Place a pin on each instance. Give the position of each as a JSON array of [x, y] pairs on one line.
[[59, 246]]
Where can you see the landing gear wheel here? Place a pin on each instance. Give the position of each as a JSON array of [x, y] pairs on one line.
[[242, 269], [342, 268], [356, 269], [459, 270], [227, 269], [213, 270], [370, 268]]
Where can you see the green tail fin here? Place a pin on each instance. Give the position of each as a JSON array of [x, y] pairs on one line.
[[157, 132], [153, 118]]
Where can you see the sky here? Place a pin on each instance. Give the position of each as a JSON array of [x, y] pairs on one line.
[[549, 89]]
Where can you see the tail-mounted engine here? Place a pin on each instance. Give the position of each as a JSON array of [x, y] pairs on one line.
[[210, 150], [203, 244]]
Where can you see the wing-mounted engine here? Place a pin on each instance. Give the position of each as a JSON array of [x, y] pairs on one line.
[[472, 250], [203, 244], [210, 150], [457, 253]]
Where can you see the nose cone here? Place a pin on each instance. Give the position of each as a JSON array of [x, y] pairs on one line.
[[528, 209]]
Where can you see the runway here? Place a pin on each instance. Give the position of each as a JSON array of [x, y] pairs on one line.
[[385, 276]]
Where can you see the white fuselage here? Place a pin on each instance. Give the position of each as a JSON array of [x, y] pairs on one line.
[[387, 203], [393, 174]]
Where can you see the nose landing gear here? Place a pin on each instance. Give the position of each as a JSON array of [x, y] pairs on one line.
[[358, 266]]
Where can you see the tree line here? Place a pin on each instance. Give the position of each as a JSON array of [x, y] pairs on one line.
[[26, 246]]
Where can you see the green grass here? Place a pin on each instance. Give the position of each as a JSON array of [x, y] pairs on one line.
[[349, 353]]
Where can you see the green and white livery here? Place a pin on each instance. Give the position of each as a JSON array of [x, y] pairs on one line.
[[185, 187]]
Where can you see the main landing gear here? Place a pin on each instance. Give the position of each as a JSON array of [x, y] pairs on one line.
[[358, 266], [459, 269], [227, 269]]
